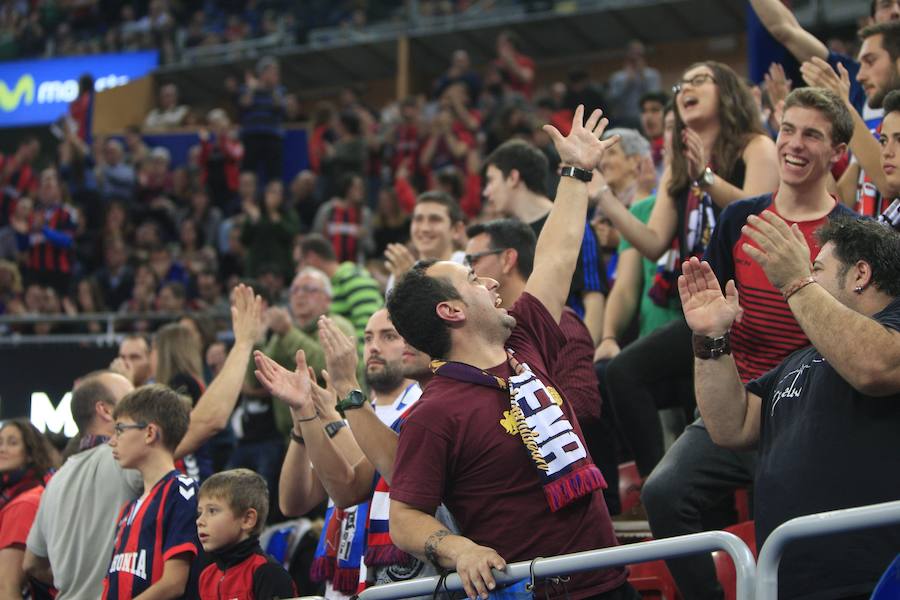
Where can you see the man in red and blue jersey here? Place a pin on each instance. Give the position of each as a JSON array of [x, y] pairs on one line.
[[156, 540], [51, 252]]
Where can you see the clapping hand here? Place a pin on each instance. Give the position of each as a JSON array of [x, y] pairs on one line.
[[399, 259], [780, 250], [247, 320], [694, 152], [582, 148], [341, 358], [707, 311], [818, 73], [292, 387]]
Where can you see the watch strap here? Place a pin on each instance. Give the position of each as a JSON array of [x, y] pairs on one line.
[[706, 348], [354, 399], [579, 174], [297, 438]]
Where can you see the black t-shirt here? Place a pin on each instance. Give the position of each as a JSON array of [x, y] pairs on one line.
[[825, 446], [590, 273]]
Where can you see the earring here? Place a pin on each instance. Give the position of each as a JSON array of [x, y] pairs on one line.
[[858, 289]]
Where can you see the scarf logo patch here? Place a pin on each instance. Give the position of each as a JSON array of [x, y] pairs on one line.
[[538, 418]]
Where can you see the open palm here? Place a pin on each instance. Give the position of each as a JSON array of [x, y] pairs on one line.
[[583, 147], [707, 311], [293, 387]]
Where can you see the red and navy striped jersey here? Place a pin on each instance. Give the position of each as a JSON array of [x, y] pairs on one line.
[[768, 331], [55, 252], [152, 529]]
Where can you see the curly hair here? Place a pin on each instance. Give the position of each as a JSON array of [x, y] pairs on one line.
[[738, 120], [39, 453]]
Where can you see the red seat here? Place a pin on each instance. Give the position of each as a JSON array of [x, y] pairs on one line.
[[653, 580], [630, 484], [725, 566]]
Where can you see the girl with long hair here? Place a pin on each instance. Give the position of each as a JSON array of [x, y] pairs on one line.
[[720, 154], [26, 460]]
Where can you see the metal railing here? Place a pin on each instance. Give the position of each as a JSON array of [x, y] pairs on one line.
[[836, 521], [539, 568]]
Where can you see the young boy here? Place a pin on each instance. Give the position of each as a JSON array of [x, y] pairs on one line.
[[155, 538], [232, 513]]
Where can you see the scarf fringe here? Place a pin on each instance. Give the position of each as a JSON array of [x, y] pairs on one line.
[[321, 569], [574, 485], [345, 580], [377, 556]]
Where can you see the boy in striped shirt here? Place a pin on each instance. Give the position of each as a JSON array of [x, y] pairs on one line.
[[156, 540]]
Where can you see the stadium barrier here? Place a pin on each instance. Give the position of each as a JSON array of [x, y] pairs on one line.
[[819, 524]]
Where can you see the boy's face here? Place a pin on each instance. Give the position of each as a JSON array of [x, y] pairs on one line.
[[128, 442], [218, 526]]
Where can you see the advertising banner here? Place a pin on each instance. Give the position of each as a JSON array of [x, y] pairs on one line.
[[37, 92]]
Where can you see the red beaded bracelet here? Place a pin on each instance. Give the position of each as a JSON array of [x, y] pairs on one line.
[[797, 286]]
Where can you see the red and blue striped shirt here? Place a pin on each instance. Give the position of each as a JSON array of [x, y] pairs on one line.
[[151, 530]]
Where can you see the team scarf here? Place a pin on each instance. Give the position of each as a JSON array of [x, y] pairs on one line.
[[380, 549], [891, 215], [91, 441], [341, 547], [16, 482], [565, 475]]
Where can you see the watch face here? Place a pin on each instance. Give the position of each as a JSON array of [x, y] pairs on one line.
[[708, 176], [355, 399]]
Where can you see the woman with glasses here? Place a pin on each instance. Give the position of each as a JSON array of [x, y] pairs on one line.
[[720, 154], [26, 459]]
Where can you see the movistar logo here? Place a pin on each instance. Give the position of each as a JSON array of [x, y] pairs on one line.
[[10, 99]]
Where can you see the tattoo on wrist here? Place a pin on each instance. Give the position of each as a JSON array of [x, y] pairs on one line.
[[431, 545]]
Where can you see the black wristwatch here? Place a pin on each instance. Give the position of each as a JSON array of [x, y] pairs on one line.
[[332, 428], [706, 348], [355, 399], [579, 174]]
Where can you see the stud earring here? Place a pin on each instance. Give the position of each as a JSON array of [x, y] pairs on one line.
[[858, 289]]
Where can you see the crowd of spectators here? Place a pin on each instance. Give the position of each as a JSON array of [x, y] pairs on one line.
[[416, 231]]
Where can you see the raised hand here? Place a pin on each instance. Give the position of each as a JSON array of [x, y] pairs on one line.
[[780, 250], [123, 368], [583, 147], [399, 259], [246, 315], [777, 85], [341, 358], [707, 311], [326, 399], [694, 152], [292, 387], [818, 73]]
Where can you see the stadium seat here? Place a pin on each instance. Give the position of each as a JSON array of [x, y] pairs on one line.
[[725, 566], [653, 580], [630, 484], [889, 586]]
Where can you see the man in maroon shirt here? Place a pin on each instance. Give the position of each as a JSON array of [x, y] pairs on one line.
[[503, 250], [492, 437]]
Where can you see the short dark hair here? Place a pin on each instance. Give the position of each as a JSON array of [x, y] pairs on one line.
[[241, 489], [451, 178], [891, 102], [351, 122], [412, 307], [160, 405], [530, 162], [177, 288], [345, 182], [890, 40], [447, 201], [658, 96], [318, 245], [512, 234], [39, 453], [830, 105], [861, 239], [86, 395]]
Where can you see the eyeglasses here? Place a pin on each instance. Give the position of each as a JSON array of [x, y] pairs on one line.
[[471, 259], [306, 289], [695, 81], [121, 428]]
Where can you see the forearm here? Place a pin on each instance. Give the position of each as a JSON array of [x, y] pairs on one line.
[[645, 239], [335, 470], [215, 406], [299, 490], [594, 305], [842, 336], [620, 309], [425, 537], [172, 583], [867, 151], [377, 441], [722, 401], [784, 27], [847, 185]]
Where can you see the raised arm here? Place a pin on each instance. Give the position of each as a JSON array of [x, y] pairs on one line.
[[784, 27], [840, 334], [560, 240], [214, 408], [730, 412]]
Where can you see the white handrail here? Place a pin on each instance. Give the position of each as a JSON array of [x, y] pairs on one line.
[[819, 524], [707, 541]]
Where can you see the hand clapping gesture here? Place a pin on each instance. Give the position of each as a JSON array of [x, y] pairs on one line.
[[707, 311]]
